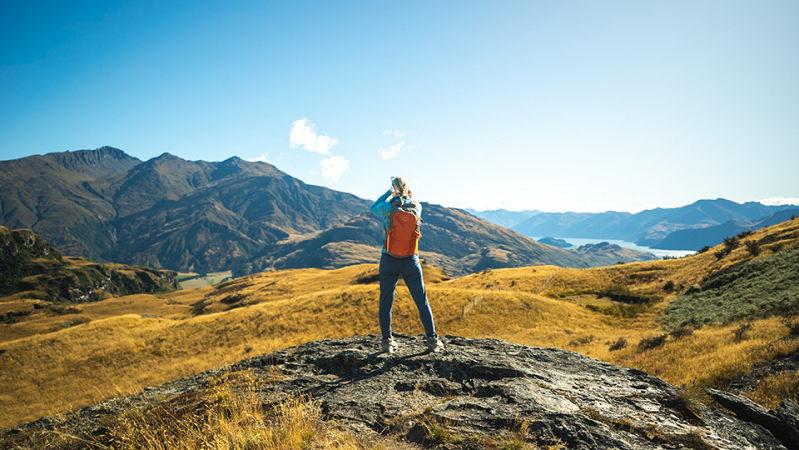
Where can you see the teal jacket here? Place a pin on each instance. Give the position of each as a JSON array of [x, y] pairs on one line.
[[382, 206]]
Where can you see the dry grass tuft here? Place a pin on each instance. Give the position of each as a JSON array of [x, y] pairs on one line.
[[228, 415]]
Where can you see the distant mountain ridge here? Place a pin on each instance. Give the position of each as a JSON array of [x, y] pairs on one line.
[[650, 227], [503, 217], [695, 239], [237, 215]]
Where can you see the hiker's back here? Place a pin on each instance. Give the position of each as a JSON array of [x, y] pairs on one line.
[[402, 229]]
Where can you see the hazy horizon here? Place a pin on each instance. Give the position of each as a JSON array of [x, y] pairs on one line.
[[580, 106], [777, 201]]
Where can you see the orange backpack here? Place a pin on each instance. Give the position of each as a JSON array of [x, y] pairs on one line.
[[402, 230]]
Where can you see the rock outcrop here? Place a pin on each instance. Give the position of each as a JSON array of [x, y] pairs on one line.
[[477, 387], [782, 424], [788, 412]]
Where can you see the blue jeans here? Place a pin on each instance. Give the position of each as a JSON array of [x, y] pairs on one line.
[[410, 269]]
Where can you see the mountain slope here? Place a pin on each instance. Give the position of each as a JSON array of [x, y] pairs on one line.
[[200, 216], [242, 208], [165, 212], [51, 195]]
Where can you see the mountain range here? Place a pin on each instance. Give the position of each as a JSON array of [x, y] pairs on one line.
[[503, 217], [696, 238], [691, 227], [166, 212], [170, 213]]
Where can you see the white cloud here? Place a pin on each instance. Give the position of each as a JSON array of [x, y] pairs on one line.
[[779, 201], [394, 151], [262, 158], [396, 133], [333, 167], [303, 135], [419, 181]]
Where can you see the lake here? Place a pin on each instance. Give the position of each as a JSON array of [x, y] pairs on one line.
[[576, 242]]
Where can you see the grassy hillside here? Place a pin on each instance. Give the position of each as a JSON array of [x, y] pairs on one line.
[[611, 313], [32, 268], [18, 250], [760, 288], [40, 286]]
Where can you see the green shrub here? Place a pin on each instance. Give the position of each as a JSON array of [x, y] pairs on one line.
[[739, 332], [618, 345], [731, 243], [681, 332], [753, 247], [198, 308], [652, 342], [792, 324], [624, 294], [693, 289]]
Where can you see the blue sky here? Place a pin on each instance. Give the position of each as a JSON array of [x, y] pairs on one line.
[[555, 106]]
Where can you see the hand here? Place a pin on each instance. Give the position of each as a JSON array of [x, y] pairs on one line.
[[410, 194]]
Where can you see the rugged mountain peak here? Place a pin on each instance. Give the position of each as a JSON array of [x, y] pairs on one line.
[[475, 387], [96, 163], [167, 159], [166, 156], [235, 166]]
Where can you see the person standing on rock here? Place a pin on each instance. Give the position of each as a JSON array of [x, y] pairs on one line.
[[400, 256]]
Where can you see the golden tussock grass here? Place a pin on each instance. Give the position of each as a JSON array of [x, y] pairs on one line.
[[122, 349], [712, 355], [773, 388], [229, 415]]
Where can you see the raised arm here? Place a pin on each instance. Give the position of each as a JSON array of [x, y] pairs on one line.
[[381, 206]]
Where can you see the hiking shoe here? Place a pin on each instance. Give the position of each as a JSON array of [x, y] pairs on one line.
[[434, 344], [389, 345]]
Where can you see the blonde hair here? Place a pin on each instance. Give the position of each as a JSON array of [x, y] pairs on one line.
[[399, 185]]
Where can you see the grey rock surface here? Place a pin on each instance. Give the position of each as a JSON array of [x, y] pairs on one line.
[[788, 411], [478, 387], [750, 411]]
